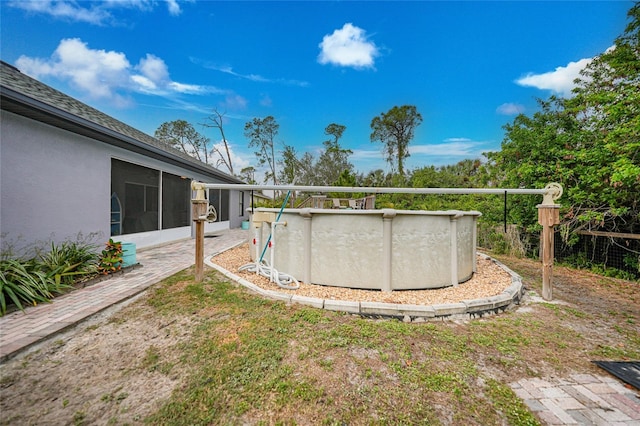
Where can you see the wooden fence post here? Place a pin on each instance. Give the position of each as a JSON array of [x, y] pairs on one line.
[[548, 217], [198, 210], [199, 207]]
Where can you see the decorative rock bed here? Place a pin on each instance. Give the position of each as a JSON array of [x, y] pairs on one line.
[[492, 289]]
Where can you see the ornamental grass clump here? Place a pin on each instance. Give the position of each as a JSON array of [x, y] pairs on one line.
[[22, 281], [25, 282], [69, 261]]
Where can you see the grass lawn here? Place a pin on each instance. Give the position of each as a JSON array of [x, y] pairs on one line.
[[257, 361], [235, 358]]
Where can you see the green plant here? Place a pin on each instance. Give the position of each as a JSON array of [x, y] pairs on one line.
[[111, 257], [513, 407], [632, 261], [21, 281], [79, 418], [37, 279], [66, 261]]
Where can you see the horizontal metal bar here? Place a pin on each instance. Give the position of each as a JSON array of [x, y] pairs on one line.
[[376, 190]]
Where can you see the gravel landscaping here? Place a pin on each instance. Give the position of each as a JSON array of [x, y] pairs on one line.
[[489, 280]]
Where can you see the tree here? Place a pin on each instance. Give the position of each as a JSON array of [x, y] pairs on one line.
[[335, 130], [216, 120], [589, 143], [181, 135], [334, 159], [395, 129], [346, 178], [306, 170], [261, 134], [464, 174], [607, 102], [248, 174], [541, 149], [376, 178], [290, 166]]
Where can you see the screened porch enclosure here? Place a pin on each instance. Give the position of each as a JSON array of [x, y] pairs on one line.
[[144, 199]]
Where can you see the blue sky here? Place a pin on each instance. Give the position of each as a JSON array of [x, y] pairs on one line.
[[468, 67]]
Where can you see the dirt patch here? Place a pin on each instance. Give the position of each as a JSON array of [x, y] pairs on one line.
[[109, 370]]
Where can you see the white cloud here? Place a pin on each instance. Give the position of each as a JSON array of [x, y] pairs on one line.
[[348, 47], [64, 10], [94, 12], [450, 151], [510, 109], [105, 74], [229, 70], [145, 84], [174, 7], [452, 147], [190, 89], [251, 77], [266, 101], [95, 72], [366, 154], [559, 81], [234, 102], [153, 68]]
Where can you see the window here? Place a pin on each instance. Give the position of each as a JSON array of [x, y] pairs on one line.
[[219, 198], [241, 196], [223, 212], [136, 188], [175, 201]]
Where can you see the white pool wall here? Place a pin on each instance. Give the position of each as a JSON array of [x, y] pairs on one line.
[[371, 249]]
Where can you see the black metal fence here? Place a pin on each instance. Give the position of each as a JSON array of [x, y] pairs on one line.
[[607, 253]]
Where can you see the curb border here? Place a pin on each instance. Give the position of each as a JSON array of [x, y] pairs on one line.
[[466, 309]]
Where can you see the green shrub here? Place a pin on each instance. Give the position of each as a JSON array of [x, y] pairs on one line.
[[22, 281], [39, 279], [67, 261]]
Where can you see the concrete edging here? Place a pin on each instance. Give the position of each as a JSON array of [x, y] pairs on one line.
[[473, 308]]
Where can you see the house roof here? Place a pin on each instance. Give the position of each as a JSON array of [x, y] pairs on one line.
[[31, 98], [261, 195]]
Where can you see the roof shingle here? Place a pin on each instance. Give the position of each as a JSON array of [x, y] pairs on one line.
[[37, 100]]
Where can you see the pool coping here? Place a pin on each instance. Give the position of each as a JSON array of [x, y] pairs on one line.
[[465, 309]]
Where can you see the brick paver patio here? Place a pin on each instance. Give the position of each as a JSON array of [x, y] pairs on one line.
[[20, 330]]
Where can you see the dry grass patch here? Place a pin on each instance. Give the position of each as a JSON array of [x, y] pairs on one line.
[[214, 353]]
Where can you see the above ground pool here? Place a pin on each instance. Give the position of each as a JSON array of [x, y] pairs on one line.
[[369, 249]]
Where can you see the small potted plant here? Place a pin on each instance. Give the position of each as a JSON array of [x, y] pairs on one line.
[[111, 258]]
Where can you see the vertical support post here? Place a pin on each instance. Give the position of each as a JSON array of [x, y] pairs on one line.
[[474, 244], [548, 217], [387, 248], [453, 253], [199, 275], [505, 212], [198, 212], [306, 241]]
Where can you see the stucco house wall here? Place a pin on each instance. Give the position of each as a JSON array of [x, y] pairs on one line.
[[55, 183]]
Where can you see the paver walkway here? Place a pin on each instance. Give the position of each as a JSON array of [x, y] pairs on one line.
[[20, 330], [581, 399]]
